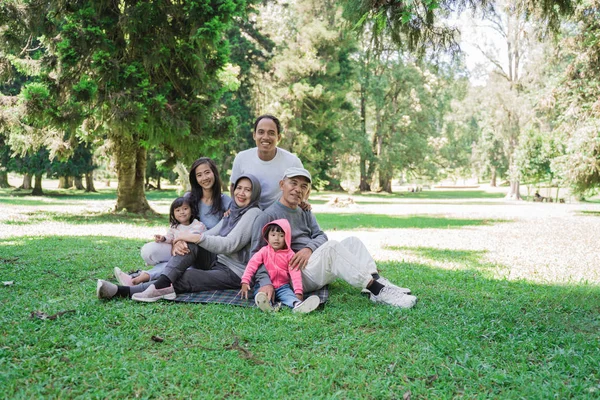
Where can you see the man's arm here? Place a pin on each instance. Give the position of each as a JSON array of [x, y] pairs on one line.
[[317, 236]]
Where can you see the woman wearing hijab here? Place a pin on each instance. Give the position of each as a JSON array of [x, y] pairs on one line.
[[230, 239]]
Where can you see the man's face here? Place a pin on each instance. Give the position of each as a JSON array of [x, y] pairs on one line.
[[294, 190], [266, 135]]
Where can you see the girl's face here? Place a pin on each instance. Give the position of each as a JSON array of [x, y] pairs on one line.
[[183, 214], [276, 240], [205, 176], [242, 193]]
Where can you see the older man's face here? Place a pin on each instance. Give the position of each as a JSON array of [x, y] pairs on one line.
[[294, 191]]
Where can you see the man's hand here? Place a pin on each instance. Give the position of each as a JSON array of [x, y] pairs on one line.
[[269, 290], [300, 259], [244, 291], [180, 248]]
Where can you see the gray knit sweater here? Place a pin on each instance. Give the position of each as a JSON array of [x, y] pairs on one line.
[[233, 250]]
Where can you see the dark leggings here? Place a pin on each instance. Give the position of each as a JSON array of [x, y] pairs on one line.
[[206, 274]]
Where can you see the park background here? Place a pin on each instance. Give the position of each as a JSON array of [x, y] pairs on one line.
[[381, 105]]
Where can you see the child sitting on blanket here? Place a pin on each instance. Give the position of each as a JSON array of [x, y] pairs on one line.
[[276, 257], [182, 217]]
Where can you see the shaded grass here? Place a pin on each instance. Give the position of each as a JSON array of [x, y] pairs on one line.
[[36, 217], [592, 213], [380, 221], [66, 196], [470, 336]]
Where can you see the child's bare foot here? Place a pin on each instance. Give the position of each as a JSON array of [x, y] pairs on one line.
[[141, 278]]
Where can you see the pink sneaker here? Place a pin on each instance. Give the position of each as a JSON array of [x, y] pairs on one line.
[[152, 294], [122, 277]]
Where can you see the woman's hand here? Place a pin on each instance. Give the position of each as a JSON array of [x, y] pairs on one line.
[[300, 296], [180, 248], [305, 206], [244, 291], [300, 259], [159, 238], [226, 213], [189, 237]]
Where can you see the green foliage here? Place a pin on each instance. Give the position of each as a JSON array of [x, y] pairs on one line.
[[419, 26], [577, 104]]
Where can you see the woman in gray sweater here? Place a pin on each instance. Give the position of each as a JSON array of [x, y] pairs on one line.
[[229, 239]]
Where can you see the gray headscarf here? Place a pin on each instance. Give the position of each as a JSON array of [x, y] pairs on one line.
[[237, 212]]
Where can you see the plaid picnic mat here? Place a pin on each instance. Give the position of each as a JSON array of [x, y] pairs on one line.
[[230, 296]]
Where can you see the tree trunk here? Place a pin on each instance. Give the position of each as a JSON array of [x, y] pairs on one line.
[[385, 182], [63, 182], [89, 182], [26, 182], [365, 181], [131, 169], [158, 183], [514, 193], [493, 179], [37, 189], [364, 185], [4, 180], [78, 182]]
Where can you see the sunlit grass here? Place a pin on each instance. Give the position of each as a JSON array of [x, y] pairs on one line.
[[329, 221]]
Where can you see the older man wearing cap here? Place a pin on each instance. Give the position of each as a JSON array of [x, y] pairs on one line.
[[322, 260]]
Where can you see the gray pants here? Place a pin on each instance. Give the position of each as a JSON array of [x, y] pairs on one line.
[[206, 273]]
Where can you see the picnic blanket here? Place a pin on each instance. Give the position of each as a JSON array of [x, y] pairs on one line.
[[230, 296]]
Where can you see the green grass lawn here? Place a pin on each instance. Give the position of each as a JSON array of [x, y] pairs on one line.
[[470, 336], [380, 221]]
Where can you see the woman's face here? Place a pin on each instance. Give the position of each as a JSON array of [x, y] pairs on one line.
[[266, 135], [242, 193], [205, 176]]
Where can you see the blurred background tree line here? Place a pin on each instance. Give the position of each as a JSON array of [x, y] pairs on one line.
[[368, 92]]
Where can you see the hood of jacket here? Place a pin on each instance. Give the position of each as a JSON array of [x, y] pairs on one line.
[[287, 231]]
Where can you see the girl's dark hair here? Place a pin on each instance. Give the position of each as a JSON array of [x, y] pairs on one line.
[[217, 202], [272, 118], [178, 202], [272, 228]]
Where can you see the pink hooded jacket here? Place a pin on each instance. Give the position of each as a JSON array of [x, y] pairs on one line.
[[276, 262]]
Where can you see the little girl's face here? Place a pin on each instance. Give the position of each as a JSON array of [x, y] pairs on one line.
[[277, 240], [183, 214]]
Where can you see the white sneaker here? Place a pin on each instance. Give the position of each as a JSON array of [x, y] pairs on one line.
[[385, 282], [307, 305], [262, 301], [393, 297], [105, 290], [152, 294], [122, 277]]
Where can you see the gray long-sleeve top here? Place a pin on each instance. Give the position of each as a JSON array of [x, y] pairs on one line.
[[233, 250]]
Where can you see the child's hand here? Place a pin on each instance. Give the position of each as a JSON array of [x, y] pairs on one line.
[[159, 238], [300, 296], [244, 291]]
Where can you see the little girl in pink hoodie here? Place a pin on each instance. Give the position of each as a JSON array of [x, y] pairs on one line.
[[276, 258]]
